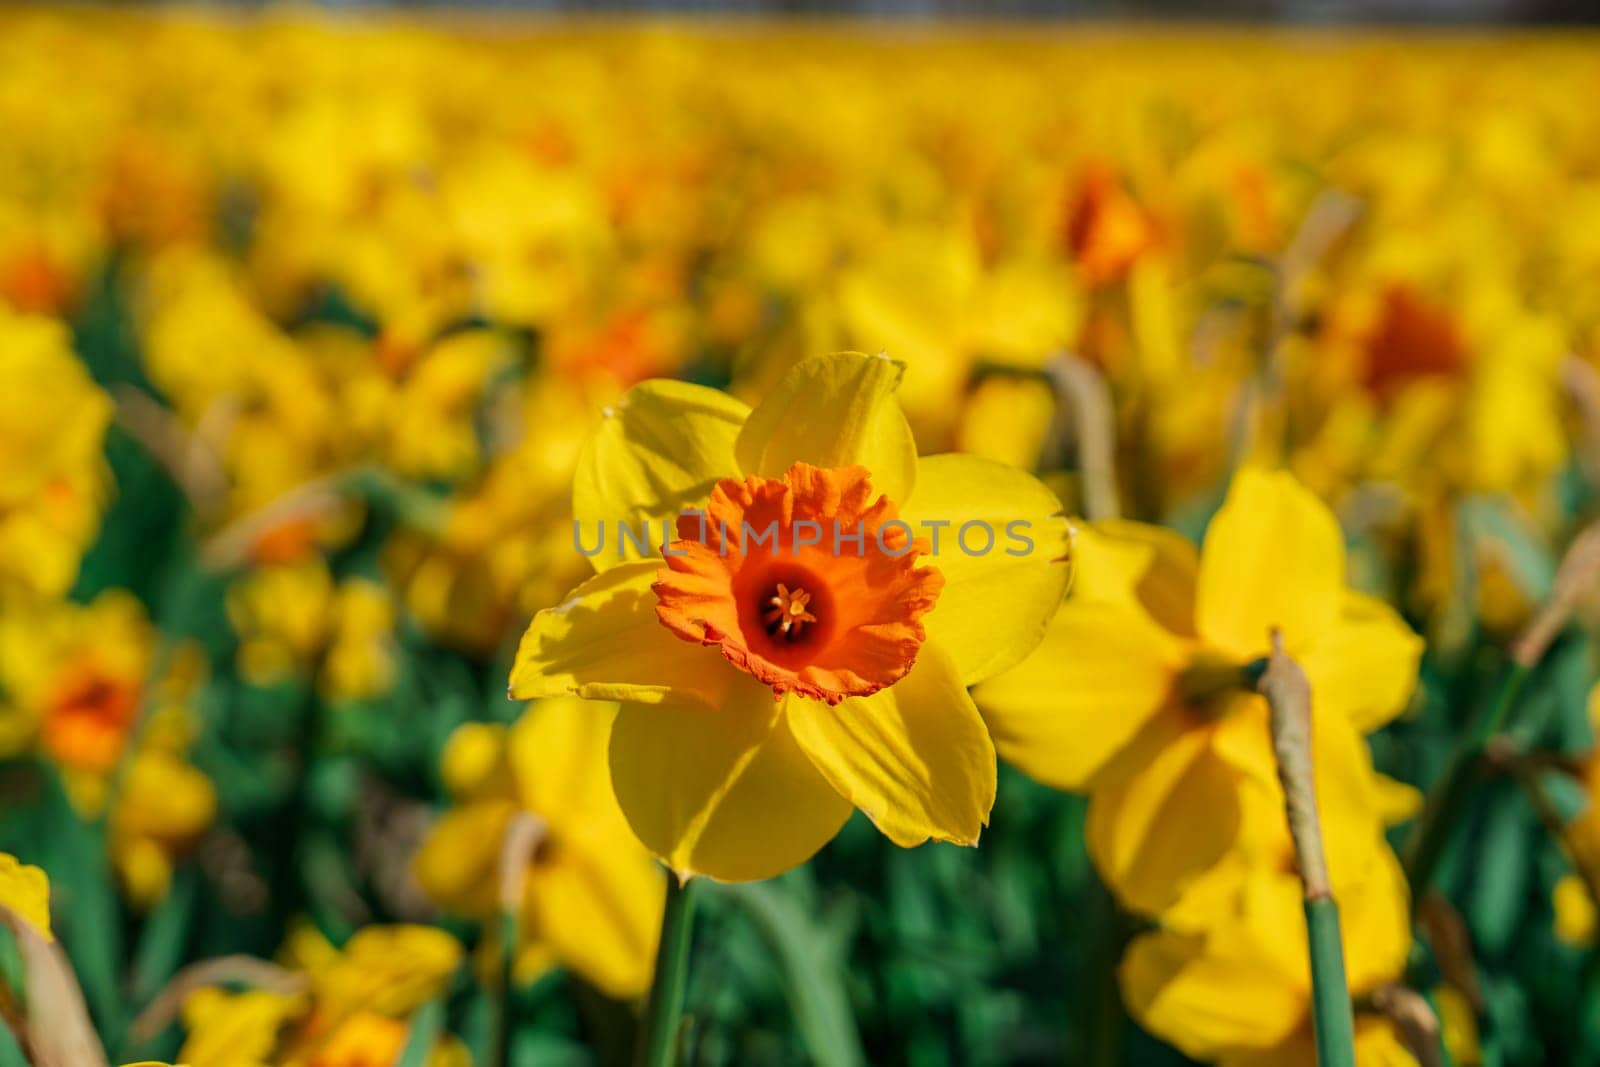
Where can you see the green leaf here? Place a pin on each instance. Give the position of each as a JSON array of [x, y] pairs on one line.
[[165, 939], [427, 1026], [813, 979], [85, 900]]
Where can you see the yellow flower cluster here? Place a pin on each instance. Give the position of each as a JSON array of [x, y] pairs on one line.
[[410, 316], [337, 1008]]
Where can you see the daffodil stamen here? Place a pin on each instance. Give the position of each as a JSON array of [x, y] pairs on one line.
[[787, 615]]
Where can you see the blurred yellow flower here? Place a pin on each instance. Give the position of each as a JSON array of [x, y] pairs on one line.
[[162, 808], [73, 677], [53, 481], [1135, 694], [505, 549], [351, 1013], [592, 895], [1239, 992], [293, 621]]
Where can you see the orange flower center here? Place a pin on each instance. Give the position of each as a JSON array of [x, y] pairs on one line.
[[88, 718], [805, 582]]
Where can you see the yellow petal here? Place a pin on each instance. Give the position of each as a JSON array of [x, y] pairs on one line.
[[915, 758], [1157, 831], [533, 961], [1002, 547], [1207, 996], [1458, 1025], [473, 760], [1375, 924], [459, 861], [834, 411], [1115, 559], [597, 901], [1396, 801], [1345, 784], [1364, 666], [558, 752], [723, 792], [389, 968], [659, 451], [25, 891], [1575, 916], [1378, 1044], [1273, 557], [1085, 708], [604, 643], [236, 1028]]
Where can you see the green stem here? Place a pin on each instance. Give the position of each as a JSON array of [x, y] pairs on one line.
[[1426, 843], [658, 1039], [1104, 1017], [1331, 1017], [509, 934]]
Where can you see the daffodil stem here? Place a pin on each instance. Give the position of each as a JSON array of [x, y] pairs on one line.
[[503, 1006], [523, 836], [1289, 701], [658, 1038], [1104, 1017], [1332, 1022], [1426, 844]]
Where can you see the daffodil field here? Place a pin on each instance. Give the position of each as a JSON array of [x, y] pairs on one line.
[[551, 542]]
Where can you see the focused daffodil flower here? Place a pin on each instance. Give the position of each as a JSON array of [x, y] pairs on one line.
[[1239, 993], [769, 686], [591, 895], [1135, 694]]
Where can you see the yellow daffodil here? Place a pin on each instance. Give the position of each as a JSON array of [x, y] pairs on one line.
[[162, 807], [1107, 230], [1135, 697], [428, 424], [769, 690], [352, 1011], [505, 549], [53, 481], [1239, 992], [359, 662], [73, 676], [292, 619], [591, 895]]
